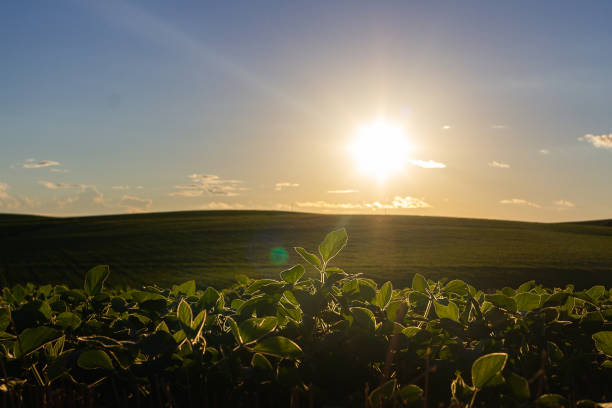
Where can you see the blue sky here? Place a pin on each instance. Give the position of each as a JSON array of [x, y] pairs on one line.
[[123, 106]]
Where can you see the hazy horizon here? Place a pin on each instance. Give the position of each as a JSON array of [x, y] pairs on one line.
[[133, 106]]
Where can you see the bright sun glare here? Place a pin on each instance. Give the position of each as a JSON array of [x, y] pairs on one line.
[[380, 149]]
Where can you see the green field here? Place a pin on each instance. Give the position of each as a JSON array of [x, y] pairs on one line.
[[212, 246]]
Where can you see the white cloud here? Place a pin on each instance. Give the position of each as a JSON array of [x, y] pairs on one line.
[[499, 165], [135, 204], [446, 127], [564, 203], [520, 201], [213, 185], [544, 151], [429, 164], [348, 191], [187, 193], [398, 202], [87, 195], [601, 141], [284, 184], [54, 186], [59, 170], [120, 187], [10, 202], [33, 164]]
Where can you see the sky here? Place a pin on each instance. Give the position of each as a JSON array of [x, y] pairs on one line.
[[505, 108]]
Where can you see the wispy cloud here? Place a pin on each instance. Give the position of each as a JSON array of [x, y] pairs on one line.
[[499, 127], [34, 164], [284, 184], [187, 193], [544, 151], [120, 187], [520, 201], [564, 203], [135, 204], [429, 164], [213, 185], [499, 165], [348, 191], [446, 127], [397, 203], [601, 141]]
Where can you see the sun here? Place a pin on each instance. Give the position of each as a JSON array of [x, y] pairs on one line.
[[380, 149]]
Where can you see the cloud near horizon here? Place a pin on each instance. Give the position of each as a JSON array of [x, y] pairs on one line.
[[212, 184], [284, 184], [33, 164], [135, 204], [520, 201], [499, 165], [564, 203], [397, 203], [599, 141]]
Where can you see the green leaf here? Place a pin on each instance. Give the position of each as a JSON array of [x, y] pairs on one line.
[[94, 279], [68, 320], [419, 283], [5, 318], [261, 362], [526, 287], [502, 301], [519, 386], [94, 359], [256, 327], [309, 257], [332, 244], [410, 393], [596, 292], [552, 400], [456, 286], [485, 368], [411, 331], [527, 301], [187, 288], [383, 295], [184, 313], [603, 342], [293, 274], [450, 312], [364, 318], [557, 299], [382, 393], [209, 298], [234, 329], [32, 339], [279, 347]]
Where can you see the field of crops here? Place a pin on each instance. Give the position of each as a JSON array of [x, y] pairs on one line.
[[336, 339], [211, 247]]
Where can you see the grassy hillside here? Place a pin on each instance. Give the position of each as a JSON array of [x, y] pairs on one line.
[[212, 246]]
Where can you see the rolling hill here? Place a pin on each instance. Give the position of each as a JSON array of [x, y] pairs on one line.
[[212, 246]]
